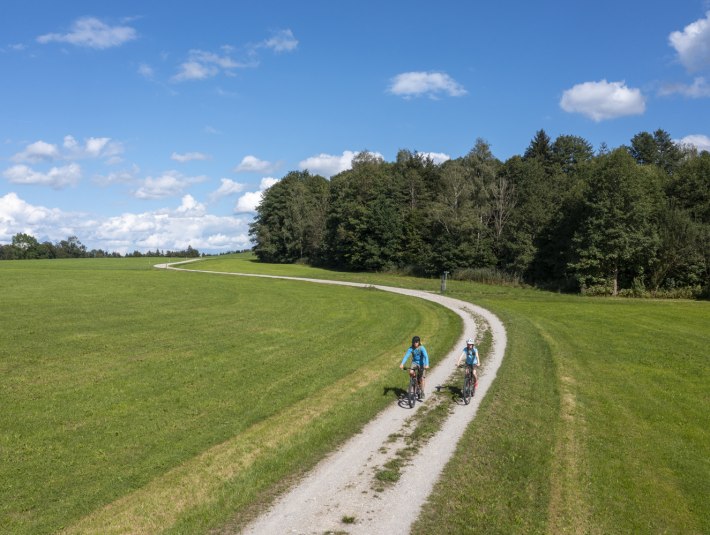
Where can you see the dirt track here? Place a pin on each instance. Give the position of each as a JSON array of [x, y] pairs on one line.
[[341, 486]]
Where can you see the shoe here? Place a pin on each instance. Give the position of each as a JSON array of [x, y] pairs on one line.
[[475, 385]]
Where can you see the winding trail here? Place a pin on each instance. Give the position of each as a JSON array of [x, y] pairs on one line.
[[341, 485]]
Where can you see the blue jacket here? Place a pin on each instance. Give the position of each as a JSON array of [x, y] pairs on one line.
[[419, 356], [471, 355]]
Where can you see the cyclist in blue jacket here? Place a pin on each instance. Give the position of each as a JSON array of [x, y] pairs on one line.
[[420, 361], [470, 353]]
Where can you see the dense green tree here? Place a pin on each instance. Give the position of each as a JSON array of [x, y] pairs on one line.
[[656, 149], [616, 235], [291, 218], [643, 148], [569, 152], [539, 148], [690, 187], [365, 222]]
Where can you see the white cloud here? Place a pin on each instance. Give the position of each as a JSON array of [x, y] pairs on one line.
[[693, 44], [191, 206], [169, 184], [250, 200], [92, 33], [201, 64], [328, 165], [437, 157], [282, 41], [267, 182], [699, 141], [227, 187], [163, 229], [698, 89], [94, 147], [18, 216], [125, 176], [603, 100], [431, 84], [189, 156], [57, 177], [37, 152], [146, 71], [252, 164]]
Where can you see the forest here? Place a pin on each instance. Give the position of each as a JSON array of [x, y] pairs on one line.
[[634, 220]]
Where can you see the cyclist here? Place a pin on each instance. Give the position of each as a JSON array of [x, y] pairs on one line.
[[470, 353], [420, 362]]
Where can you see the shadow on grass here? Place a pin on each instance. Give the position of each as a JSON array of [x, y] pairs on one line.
[[400, 393], [455, 391]]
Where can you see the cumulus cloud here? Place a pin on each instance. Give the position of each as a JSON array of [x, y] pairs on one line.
[[17, 214], [281, 41], [252, 164], [328, 165], [431, 84], [92, 33], [166, 229], [56, 177], [169, 184], [188, 224], [93, 147], [189, 156], [698, 89], [226, 188], [699, 141], [37, 152], [693, 44], [437, 157], [248, 202], [603, 100]]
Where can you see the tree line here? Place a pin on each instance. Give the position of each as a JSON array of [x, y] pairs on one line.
[[25, 246], [633, 220]]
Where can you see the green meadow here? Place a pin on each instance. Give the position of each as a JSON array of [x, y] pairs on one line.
[[598, 421], [145, 401], [142, 400]]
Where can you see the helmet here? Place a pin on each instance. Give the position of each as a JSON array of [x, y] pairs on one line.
[[470, 341], [416, 340]]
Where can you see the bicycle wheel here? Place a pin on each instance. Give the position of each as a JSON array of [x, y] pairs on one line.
[[412, 392], [467, 389]]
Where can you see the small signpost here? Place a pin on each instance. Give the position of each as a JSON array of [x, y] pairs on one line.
[[444, 276]]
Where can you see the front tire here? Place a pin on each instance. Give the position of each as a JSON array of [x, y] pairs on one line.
[[412, 393], [467, 390]]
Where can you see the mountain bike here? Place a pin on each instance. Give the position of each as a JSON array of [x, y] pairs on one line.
[[414, 390], [469, 384]]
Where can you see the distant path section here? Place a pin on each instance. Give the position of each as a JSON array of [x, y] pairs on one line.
[[338, 495]]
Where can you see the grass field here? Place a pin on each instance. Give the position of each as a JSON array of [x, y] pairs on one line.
[[598, 422], [126, 385], [137, 400]]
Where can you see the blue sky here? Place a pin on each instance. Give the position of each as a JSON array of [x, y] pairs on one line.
[[144, 125]]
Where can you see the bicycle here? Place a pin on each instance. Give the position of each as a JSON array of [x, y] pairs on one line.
[[469, 384], [414, 389]]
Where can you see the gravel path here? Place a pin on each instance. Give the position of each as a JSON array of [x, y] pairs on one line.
[[341, 486]]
